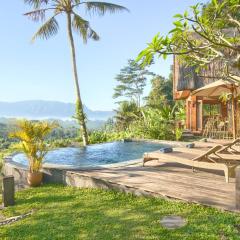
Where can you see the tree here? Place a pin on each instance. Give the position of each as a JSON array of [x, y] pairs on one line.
[[132, 80], [127, 113], [161, 92], [208, 33], [41, 9]]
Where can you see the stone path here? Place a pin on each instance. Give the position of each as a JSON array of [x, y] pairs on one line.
[[173, 222]]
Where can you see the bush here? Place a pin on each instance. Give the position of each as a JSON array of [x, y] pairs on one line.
[[102, 136], [154, 124], [60, 143], [98, 137]]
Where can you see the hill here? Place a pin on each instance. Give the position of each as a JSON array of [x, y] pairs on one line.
[[39, 109]]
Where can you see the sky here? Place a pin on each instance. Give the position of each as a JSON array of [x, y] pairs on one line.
[[43, 71]]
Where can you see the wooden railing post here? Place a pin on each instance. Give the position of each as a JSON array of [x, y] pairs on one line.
[[8, 191], [238, 188]]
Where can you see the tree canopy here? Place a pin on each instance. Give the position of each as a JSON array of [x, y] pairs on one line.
[[161, 92], [131, 82], [50, 27], [202, 35]]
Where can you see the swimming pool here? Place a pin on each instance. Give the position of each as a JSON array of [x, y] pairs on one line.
[[96, 155]]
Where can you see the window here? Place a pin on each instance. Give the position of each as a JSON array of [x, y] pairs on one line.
[[211, 109]]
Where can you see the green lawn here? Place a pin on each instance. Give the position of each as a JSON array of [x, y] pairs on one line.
[[70, 213]]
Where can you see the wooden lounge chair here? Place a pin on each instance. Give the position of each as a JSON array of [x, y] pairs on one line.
[[223, 156], [229, 148], [203, 160]]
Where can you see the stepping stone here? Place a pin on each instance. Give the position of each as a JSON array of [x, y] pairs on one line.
[[173, 222]]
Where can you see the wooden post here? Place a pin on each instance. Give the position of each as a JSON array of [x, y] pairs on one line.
[[233, 113], [8, 191], [233, 118], [238, 188]]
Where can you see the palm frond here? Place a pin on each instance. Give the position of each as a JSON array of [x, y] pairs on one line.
[[37, 15], [82, 27], [36, 3], [101, 8], [47, 30]]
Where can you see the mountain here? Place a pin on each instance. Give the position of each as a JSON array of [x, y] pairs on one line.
[[38, 109]]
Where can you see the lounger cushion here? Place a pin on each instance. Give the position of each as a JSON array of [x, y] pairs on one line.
[[166, 150], [190, 145]]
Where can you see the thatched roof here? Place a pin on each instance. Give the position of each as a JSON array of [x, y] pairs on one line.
[[188, 79]]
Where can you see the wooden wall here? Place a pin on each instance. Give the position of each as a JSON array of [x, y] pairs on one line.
[[185, 77]]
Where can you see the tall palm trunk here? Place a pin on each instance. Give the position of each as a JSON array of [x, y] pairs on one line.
[[79, 106]]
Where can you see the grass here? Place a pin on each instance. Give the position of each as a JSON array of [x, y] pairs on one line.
[[70, 213]]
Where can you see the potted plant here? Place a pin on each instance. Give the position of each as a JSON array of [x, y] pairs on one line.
[[32, 135]]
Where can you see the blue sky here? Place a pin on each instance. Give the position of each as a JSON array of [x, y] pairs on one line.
[[43, 70]]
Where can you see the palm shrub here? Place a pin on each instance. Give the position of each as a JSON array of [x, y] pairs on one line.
[[32, 136]]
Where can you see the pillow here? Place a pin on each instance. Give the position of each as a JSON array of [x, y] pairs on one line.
[[166, 150]]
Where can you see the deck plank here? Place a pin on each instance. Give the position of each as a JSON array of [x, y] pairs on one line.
[[172, 181]]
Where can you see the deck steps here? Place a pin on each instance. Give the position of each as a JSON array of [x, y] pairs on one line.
[[187, 134]]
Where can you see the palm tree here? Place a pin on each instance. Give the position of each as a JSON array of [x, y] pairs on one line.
[[50, 27], [126, 114]]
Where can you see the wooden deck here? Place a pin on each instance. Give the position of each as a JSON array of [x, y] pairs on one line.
[[171, 181]]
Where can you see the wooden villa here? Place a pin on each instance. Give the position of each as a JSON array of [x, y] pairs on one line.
[[206, 113]]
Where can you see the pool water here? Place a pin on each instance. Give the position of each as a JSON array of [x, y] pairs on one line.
[[96, 155]]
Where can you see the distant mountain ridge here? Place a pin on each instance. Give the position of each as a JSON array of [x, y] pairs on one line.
[[36, 109]]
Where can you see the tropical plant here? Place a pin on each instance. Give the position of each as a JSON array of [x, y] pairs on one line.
[[101, 136], [60, 143], [43, 8], [131, 82], [126, 113], [98, 137], [158, 123], [178, 133], [180, 113], [205, 34], [32, 136], [161, 92], [152, 125]]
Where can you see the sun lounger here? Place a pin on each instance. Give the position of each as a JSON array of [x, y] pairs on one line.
[[217, 154], [229, 148], [204, 160]]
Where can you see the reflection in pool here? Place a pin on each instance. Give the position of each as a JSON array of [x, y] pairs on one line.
[[96, 155]]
